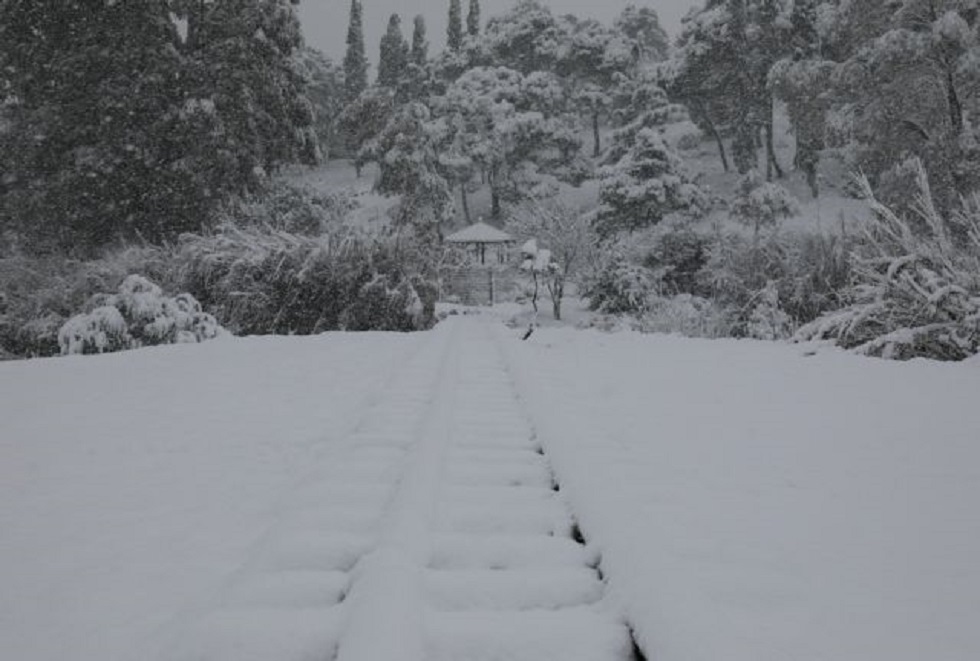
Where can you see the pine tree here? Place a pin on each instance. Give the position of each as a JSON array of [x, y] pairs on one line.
[[454, 32], [473, 18], [393, 63], [355, 60], [420, 46], [642, 26]]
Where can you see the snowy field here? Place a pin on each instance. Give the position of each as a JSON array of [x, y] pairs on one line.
[[749, 502], [133, 484], [755, 503]]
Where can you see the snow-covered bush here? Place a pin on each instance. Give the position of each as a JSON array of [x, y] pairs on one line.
[[690, 137], [616, 284], [807, 272], [915, 293], [675, 252], [684, 314], [138, 315], [259, 280], [761, 204], [291, 208], [768, 321], [41, 293]]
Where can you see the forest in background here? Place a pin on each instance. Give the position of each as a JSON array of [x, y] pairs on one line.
[[140, 146]]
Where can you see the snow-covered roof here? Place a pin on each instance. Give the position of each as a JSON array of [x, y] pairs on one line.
[[479, 233]]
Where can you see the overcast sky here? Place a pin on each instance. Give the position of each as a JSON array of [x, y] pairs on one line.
[[325, 21]]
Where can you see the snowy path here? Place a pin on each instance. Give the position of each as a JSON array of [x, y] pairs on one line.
[[436, 533]]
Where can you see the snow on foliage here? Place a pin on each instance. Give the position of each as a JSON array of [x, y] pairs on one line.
[[761, 204], [647, 183], [138, 315], [917, 290]]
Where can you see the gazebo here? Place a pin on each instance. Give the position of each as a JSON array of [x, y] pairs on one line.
[[479, 236]]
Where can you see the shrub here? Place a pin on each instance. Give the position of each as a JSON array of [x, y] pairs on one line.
[[41, 293], [801, 275], [690, 316], [138, 315], [616, 284], [761, 204], [295, 209], [259, 280], [915, 293]]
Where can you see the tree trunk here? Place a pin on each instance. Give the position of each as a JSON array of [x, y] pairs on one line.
[[466, 202], [771, 162], [557, 290], [713, 129], [955, 108], [597, 148]]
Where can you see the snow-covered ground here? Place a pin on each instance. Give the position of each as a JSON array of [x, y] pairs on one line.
[[753, 502], [133, 484], [291, 498]]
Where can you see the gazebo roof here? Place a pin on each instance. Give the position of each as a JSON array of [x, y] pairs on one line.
[[479, 233]]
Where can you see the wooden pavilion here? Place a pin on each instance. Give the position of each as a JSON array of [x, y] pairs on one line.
[[480, 235]]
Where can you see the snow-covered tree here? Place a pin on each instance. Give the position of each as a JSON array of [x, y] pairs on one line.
[[364, 119], [420, 45], [761, 204], [527, 38], [325, 90], [645, 185], [454, 28], [591, 61], [804, 86], [393, 62], [506, 127], [355, 58], [407, 152], [473, 18], [908, 72], [642, 26], [566, 233], [107, 108], [721, 71]]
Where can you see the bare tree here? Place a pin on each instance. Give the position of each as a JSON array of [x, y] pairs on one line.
[[564, 231]]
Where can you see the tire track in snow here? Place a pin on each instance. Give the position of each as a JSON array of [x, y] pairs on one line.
[[438, 534]]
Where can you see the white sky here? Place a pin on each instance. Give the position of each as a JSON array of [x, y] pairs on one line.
[[325, 21]]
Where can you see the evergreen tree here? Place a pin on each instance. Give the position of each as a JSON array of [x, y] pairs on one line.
[[93, 154], [393, 63], [454, 32], [642, 26], [473, 18], [355, 59], [420, 46], [248, 67], [645, 185], [326, 93]]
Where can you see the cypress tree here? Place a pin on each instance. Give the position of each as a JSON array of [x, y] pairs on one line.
[[454, 32], [394, 54], [473, 18], [420, 47], [355, 60]]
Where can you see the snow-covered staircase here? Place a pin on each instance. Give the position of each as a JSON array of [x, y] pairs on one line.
[[437, 532]]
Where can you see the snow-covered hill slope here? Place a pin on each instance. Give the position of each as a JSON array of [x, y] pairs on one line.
[[300, 498]]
